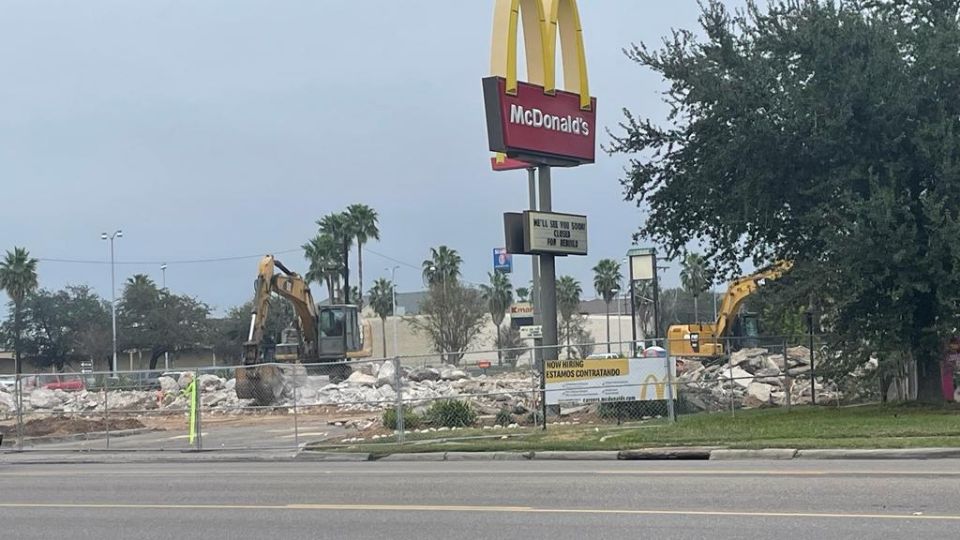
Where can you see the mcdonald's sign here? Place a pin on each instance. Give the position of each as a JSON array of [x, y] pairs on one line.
[[533, 121]]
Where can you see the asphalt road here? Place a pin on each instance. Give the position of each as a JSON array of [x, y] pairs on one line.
[[503, 500]]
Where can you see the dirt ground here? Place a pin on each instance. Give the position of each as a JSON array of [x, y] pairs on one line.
[[58, 425]]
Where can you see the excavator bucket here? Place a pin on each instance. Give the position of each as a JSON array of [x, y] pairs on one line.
[[264, 383]]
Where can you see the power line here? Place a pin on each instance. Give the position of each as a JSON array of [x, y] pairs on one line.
[[168, 262]]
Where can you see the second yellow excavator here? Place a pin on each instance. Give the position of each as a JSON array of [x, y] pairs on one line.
[[325, 338], [707, 339]]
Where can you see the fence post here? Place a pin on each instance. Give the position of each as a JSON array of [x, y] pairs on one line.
[[296, 385], [199, 427], [787, 380], [398, 381], [106, 408], [19, 413], [671, 412], [733, 383]]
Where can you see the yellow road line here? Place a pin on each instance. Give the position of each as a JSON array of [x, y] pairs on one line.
[[491, 509]]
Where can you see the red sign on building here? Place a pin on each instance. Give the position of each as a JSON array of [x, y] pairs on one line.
[[539, 128]]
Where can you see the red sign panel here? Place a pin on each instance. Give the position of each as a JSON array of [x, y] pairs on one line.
[[539, 128], [509, 164], [483, 364]]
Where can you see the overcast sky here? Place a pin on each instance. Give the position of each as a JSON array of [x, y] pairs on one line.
[[210, 129]]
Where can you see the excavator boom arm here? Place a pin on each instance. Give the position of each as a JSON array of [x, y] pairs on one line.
[[290, 286], [741, 288]]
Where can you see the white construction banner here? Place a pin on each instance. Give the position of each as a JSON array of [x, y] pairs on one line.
[[578, 382]]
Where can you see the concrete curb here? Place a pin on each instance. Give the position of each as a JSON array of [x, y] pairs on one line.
[[880, 453], [577, 456], [679, 452], [331, 456], [488, 456], [425, 456], [766, 453]]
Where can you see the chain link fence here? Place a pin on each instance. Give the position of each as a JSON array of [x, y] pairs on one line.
[[473, 394]]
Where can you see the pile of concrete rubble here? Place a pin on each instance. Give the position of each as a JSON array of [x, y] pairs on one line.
[[752, 378], [371, 387]]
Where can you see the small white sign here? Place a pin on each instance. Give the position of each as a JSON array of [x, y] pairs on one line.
[[547, 232], [531, 332]]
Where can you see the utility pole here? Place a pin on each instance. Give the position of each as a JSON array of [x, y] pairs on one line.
[[393, 283]]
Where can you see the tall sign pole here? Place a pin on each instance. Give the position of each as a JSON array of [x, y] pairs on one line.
[[535, 272], [533, 124]]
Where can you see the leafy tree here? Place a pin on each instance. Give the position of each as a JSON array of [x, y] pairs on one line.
[[451, 318], [523, 294], [580, 343], [442, 267], [65, 326], [363, 222], [693, 277], [568, 303], [606, 281], [512, 345], [323, 253], [18, 278], [498, 295], [340, 227], [824, 133], [155, 320], [381, 300]]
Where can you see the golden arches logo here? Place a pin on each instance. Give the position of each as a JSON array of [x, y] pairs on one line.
[[543, 21]]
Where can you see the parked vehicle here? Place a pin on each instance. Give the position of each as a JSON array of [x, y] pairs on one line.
[[68, 382]]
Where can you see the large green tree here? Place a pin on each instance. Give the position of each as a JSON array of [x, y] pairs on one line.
[[498, 295], [65, 326], [826, 133], [18, 278], [363, 221], [381, 300], [606, 281]]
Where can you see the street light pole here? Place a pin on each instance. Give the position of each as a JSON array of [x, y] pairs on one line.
[[393, 283], [166, 354], [113, 294]]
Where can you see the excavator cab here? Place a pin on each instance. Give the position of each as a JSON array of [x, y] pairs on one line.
[[339, 331]]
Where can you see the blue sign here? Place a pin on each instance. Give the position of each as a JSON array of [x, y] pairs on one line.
[[502, 261]]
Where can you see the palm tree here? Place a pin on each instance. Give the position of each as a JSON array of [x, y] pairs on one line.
[[381, 300], [498, 295], [606, 280], [339, 226], [18, 278], [442, 266], [364, 223], [693, 277], [326, 263], [568, 302]]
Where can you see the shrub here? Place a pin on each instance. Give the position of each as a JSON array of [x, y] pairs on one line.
[[504, 418], [451, 413], [411, 420]]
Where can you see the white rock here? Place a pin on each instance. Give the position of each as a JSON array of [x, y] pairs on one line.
[[760, 392], [370, 368], [209, 382], [7, 403], [799, 354], [451, 373], [169, 385], [362, 379], [41, 398], [387, 375], [741, 377], [185, 379], [230, 384]]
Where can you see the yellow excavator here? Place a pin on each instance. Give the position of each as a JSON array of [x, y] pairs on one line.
[[324, 337], [707, 339]]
